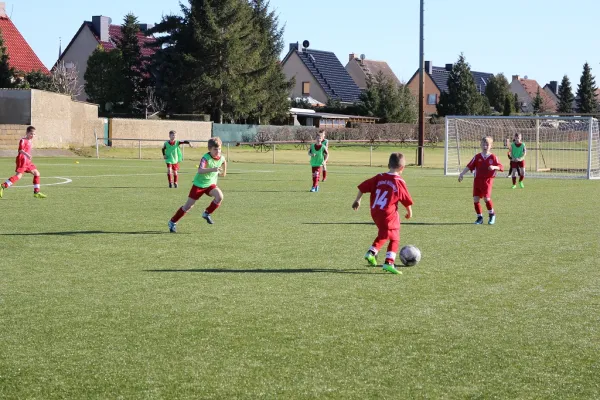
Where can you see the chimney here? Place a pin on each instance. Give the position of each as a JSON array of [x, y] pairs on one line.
[[144, 28], [101, 25], [352, 56], [449, 67], [3, 9], [428, 67], [294, 46], [554, 87], [515, 77]]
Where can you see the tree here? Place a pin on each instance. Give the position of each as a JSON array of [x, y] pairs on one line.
[[132, 68], [517, 104], [103, 78], [565, 96], [462, 97], [385, 99], [508, 106], [586, 92], [64, 80], [497, 90], [538, 102], [37, 80], [207, 59], [7, 74]]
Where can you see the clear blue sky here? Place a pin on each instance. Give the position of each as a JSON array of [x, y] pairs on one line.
[[543, 39]]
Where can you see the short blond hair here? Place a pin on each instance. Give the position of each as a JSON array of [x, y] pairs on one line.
[[396, 161], [488, 139], [214, 142]]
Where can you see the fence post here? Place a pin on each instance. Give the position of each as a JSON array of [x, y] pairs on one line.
[[371, 156], [274, 152], [140, 149], [97, 151], [227, 150]]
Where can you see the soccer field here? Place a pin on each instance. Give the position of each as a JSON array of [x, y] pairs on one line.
[[99, 301]]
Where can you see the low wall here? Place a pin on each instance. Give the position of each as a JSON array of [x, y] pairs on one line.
[[121, 128], [10, 135]]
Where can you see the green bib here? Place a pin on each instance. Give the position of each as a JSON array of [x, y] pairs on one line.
[[173, 153], [317, 160], [517, 152], [206, 180]]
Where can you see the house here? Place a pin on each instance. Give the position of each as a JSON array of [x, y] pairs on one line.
[[360, 69], [319, 74], [436, 82], [551, 90], [98, 32], [311, 117], [526, 90], [22, 58]]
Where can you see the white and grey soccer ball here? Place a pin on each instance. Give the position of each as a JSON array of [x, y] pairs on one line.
[[410, 255]]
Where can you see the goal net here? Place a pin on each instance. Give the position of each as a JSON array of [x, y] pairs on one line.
[[557, 147]]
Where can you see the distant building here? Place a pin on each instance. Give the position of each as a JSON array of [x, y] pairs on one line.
[[360, 69], [21, 56], [98, 32], [527, 89], [319, 75], [436, 82]]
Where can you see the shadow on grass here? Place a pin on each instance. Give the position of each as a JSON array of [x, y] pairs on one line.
[[69, 233], [403, 223], [356, 271]]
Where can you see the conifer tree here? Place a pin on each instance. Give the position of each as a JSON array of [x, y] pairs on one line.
[[497, 90], [462, 97], [586, 92], [538, 102], [103, 78], [6, 72], [565, 96], [508, 106], [133, 81]]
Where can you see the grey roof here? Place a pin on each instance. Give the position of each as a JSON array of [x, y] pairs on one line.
[[331, 74], [440, 75]]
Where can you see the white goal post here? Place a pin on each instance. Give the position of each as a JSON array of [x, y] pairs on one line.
[[557, 147]]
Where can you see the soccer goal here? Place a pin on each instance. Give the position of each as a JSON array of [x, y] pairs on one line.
[[557, 147]]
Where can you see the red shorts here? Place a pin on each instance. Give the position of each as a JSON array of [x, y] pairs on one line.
[[174, 167], [517, 164], [483, 187], [23, 165], [197, 192]]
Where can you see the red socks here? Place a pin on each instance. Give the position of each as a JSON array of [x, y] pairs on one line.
[[178, 215], [477, 208], [36, 184], [212, 207]]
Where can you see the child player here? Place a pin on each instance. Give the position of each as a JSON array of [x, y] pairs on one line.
[[172, 155], [517, 160], [387, 190], [326, 144], [205, 182], [318, 155], [484, 165], [24, 164]]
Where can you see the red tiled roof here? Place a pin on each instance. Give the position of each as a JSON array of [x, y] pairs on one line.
[[21, 56], [114, 33], [531, 87]]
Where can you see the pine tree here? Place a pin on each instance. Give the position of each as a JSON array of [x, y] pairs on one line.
[[517, 104], [565, 96], [103, 78], [133, 81], [6, 72], [508, 106], [38, 80], [586, 92], [497, 90], [385, 99], [462, 97], [538, 102]]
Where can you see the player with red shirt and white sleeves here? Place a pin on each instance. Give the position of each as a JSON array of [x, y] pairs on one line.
[[24, 164], [387, 190], [484, 165]]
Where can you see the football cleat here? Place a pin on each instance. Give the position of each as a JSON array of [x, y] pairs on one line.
[[391, 268], [313, 189], [479, 220], [39, 195], [514, 186], [1, 191], [207, 217], [521, 185], [371, 259], [492, 219], [172, 227]]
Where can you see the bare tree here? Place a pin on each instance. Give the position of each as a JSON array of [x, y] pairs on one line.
[[154, 104], [65, 80]]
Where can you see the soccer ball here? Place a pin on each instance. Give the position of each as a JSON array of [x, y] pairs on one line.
[[410, 255]]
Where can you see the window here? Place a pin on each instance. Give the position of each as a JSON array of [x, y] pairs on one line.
[[431, 99], [305, 88]]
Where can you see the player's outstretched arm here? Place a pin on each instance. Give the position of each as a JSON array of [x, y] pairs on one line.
[[164, 148], [356, 203], [408, 212], [462, 174]]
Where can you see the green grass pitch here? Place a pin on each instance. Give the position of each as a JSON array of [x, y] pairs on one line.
[[99, 301]]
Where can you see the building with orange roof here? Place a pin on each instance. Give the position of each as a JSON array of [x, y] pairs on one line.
[[527, 89], [22, 58]]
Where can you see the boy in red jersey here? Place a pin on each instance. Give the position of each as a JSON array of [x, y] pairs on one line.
[[211, 166], [484, 165], [387, 190], [173, 155], [24, 164]]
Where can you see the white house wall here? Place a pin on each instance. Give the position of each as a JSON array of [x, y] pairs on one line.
[[295, 68], [516, 87], [78, 53]]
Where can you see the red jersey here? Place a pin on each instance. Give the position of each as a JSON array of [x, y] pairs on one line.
[[25, 145], [386, 191], [479, 164]]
